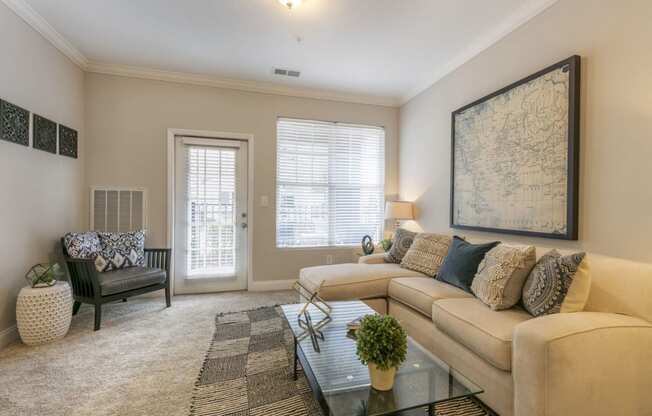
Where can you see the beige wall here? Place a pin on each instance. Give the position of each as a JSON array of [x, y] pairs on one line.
[[127, 121], [613, 39], [40, 192]]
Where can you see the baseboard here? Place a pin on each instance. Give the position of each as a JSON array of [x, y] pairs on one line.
[[8, 336], [271, 285]]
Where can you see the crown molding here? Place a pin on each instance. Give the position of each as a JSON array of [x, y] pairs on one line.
[[38, 23], [513, 22], [235, 84]]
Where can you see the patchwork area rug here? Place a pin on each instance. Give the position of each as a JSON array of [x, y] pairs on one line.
[[248, 372]]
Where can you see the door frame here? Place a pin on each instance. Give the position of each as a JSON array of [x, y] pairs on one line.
[[206, 134]]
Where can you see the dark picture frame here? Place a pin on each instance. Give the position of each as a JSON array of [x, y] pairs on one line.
[[45, 134], [573, 64], [67, 141], [14, 123]]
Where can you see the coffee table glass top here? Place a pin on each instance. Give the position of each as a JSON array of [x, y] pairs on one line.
[[343, 382]]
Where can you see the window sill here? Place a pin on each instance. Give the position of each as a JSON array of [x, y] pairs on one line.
[[318, 248]]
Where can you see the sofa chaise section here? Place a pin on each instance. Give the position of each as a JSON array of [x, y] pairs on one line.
[[349, 281]]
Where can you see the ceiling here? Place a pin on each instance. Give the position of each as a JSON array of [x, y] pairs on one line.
[[381, 51]]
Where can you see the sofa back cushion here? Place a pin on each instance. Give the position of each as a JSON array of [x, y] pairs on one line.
[[620, 286], [427, 253]]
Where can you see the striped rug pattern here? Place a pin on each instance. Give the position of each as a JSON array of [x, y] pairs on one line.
[[248, 368]]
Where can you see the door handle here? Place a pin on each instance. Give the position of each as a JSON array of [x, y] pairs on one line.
[[244, 225]]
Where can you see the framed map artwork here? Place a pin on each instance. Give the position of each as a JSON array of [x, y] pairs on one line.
[[515, 157]]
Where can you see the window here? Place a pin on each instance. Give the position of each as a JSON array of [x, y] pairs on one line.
[[210, 209], [330, 183]]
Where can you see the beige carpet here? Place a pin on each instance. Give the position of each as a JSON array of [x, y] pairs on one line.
[[143, 361]]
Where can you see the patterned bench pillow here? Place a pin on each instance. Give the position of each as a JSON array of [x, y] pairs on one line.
[[82, 245], [120, 250]]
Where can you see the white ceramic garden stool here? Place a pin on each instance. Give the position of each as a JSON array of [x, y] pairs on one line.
[[44, 314]]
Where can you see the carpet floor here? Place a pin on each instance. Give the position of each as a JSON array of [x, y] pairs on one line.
[[144, 360]]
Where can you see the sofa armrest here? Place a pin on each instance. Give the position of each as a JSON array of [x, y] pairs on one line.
[[584, 363], [83, 277], [159, 258], [377, 258]]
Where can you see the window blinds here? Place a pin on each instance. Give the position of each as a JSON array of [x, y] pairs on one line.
[[210, 210], [330, 183]]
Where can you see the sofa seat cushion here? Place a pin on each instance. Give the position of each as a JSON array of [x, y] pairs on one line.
[[352, 280], [131, 278], [486, 332], [420, 292]]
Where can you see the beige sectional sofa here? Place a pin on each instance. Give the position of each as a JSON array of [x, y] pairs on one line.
[[596, 362]]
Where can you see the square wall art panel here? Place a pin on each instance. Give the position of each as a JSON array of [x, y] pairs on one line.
[[67, 141], [14, 123], [45, 134]]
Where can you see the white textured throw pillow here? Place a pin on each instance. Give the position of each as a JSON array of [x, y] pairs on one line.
[[502, 274]]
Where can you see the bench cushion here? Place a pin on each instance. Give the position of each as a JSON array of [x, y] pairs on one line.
[[486, 332], [131, 278], [420, 292], [352, 280]]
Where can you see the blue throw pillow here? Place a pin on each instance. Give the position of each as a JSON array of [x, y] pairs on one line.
[[462, 261]]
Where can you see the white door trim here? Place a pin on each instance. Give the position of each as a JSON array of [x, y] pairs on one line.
[[205, 134]]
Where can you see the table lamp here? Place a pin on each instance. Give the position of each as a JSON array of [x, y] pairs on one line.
[[399, 210]]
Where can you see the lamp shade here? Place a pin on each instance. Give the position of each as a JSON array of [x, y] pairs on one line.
[[399, 210]]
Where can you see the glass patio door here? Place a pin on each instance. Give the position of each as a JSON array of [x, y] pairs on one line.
[[210, 215]]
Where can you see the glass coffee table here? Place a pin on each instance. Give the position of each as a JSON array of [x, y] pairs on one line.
[[341, 383]]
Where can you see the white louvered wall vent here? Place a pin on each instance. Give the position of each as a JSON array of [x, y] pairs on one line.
[[118, 209], [287, 72]]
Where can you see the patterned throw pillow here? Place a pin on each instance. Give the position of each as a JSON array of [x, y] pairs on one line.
[[402, 242], [82, 245], [120, 250], [427, 253], [548, 283], [501, 275]]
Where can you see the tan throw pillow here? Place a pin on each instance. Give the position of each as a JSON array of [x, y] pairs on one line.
[[502, 274], [427, 253], [578, 292]]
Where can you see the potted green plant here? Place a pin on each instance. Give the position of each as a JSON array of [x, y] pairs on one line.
[[381, 345], [386, 244]]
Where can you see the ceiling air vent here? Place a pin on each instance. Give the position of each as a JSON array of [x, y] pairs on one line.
[[287, 72]]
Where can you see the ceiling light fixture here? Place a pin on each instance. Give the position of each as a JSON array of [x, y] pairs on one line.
[[291, 4]]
